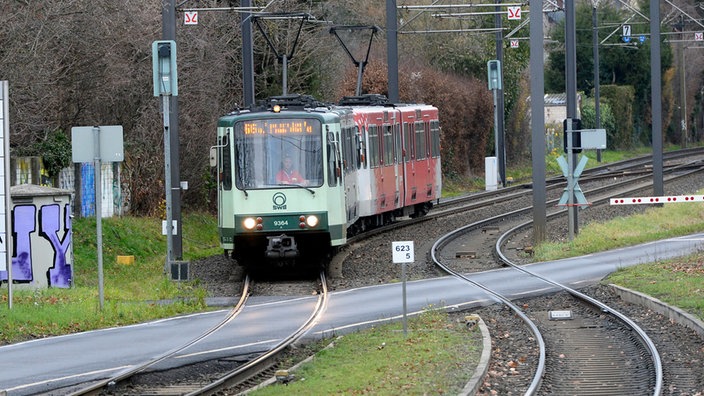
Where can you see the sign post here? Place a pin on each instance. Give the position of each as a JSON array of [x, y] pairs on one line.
[[107, 145], [575, 141], [165, 80], [5, 197], [402, 252]]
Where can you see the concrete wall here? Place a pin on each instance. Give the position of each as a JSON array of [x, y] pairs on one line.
[[41, 240]]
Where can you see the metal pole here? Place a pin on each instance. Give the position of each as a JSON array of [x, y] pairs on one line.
[[571, 89], [656, 96], [537, 106], [392, 50], [405, 308], [4, 95], [284, 60], [683, 94], [167, 182], [169, 33], [570, 181], [497, 146], [98, 212], [597, 105], [501, 152], [247, 55]]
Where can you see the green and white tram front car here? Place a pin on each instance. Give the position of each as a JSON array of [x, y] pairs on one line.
[[280, 187]]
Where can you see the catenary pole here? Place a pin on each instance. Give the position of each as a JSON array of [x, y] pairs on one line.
[[392, 49], [537, 106], [247, 55], [595, 51], [571, 91], [501, 144], [656, 97], [168, 22]]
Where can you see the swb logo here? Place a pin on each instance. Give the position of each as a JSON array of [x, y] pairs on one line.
[[279, 200]]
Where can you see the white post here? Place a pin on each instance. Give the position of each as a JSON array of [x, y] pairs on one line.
[[98, 212], [490, 173]]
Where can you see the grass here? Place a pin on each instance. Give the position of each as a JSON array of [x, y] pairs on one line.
[[436, 357], [129, 290], [405, 365], [655, 223], [679, 282]]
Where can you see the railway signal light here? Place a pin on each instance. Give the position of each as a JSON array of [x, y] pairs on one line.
[[494, 73], [164, 68], [576, 135]]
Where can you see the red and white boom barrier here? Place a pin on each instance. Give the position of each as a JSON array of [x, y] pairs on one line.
[[657, 200]]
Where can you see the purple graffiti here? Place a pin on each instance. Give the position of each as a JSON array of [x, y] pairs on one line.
[[59, 275], [23, 225], [24, 222]]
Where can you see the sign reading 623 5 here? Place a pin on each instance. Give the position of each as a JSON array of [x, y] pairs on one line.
[[402, 252]]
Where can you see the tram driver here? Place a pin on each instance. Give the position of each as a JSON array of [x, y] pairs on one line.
[[288, 175]]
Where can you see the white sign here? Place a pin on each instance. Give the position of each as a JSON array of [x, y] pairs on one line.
[[514, 43], [174, 227], [402, 252], [111, 143], [626, 30], [190, 18], [698, 36], [514, 13]]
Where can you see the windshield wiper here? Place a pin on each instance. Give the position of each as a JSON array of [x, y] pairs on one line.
[[299, 186]]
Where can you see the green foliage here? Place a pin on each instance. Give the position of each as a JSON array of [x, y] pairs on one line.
[[54, 149], [606, 118], [619, 63], [620, 100]]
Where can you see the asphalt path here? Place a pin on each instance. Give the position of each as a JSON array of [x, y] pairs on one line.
[[42, 365]]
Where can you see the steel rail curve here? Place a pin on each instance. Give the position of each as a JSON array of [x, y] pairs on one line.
[[114, 380], [642, 335], [540, 370], [247, 370]]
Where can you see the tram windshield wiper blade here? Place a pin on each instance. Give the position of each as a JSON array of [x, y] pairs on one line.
[[299, 186]]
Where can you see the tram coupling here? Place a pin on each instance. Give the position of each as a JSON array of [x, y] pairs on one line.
[[282, 246]]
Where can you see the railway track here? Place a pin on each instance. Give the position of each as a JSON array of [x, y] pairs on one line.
[[164, 376], [600, 354], [521, 192], [583, 346]]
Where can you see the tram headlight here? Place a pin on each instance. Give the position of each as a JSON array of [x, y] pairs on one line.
[[312, 221], [249, 223]]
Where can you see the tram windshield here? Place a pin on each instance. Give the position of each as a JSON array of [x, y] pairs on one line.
[[278, 152]]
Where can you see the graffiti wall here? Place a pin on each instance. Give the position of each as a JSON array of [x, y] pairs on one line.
[[41, 238]]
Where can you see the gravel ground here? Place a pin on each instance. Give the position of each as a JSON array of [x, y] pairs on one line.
[[369, 264]]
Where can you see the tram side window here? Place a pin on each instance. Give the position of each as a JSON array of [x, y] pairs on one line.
[[406, 142], [388, 145], [420, 141], [357, 155], [363, 148], [397, 145], [435, 138], [225, 163], [332, 159], [373, 146], [347, 148]]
